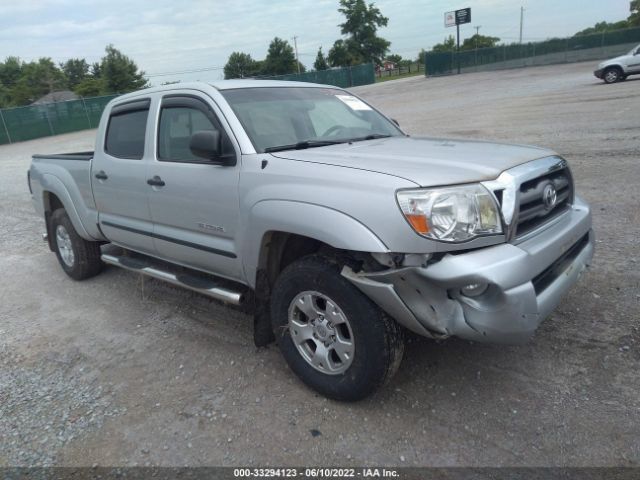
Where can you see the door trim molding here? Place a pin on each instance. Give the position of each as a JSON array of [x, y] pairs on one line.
[[184, 243]]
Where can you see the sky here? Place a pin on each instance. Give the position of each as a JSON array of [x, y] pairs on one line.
[[165, 37]]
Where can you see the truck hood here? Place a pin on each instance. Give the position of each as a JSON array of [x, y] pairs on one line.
[[421, 160]]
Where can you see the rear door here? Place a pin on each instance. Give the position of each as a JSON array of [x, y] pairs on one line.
[[194, 203], [118, 176]]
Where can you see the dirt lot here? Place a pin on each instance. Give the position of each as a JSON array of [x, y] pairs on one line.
[[112, 371]]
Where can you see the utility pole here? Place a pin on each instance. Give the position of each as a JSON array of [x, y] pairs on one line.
[[295, 44], [521, 20], [458, 45], [477, 27]]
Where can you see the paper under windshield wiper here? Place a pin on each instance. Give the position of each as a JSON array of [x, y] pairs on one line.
[[373, 136], [304, 144]]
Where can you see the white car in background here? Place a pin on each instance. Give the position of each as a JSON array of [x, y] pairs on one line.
[[619, 68]]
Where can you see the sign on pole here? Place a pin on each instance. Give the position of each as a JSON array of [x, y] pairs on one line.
[[463, 16], [450, 19], [457, 17]]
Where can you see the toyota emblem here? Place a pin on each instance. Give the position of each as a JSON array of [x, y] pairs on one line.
[[549, 196]]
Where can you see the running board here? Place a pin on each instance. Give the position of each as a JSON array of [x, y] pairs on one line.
[[198, 283]]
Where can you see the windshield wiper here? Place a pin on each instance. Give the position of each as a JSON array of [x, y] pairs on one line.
[[372, 136], [302, 145]]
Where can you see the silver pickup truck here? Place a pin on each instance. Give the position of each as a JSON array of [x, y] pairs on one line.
[[315, 211]]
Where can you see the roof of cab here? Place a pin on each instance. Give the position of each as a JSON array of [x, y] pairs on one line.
[[218, 85], [249, 83]]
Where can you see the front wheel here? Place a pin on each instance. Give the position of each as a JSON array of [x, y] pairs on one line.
[[612, 75], [332, 336], [78, 257]]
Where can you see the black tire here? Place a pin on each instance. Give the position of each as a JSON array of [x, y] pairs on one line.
[[378, 340], [86, 261], [612, 75]]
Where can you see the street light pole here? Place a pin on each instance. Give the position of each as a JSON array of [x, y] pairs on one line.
[[521, 21]]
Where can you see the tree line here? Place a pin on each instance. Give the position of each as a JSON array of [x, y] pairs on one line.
[[360, 45], [602, 27], [22, 83]]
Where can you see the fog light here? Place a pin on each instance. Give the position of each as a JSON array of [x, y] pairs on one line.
[[474, 289]]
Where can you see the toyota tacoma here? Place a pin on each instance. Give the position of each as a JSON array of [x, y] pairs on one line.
[[315, 211]]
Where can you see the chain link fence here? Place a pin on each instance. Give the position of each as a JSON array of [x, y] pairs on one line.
[[35, 121], [340, 77], [400, 70], [599, 46]]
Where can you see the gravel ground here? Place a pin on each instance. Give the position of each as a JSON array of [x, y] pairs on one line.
[[119, 371]]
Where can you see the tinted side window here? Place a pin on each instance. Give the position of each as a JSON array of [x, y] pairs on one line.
[[177, 124], [125, 134]]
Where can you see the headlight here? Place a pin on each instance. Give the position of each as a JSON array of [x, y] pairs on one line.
[[451, 214]]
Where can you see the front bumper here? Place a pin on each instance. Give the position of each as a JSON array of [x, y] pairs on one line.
[[599, 73], [526, 282]]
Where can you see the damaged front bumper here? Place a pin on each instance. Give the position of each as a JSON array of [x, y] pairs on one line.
[[526, 281]]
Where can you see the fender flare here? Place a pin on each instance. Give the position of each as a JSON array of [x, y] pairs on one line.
[[615, 65], [321, 223], [52, 184]]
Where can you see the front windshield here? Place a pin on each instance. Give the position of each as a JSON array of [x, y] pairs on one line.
[[281, 118]]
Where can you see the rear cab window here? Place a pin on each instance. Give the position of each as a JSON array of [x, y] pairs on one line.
[[125, 137]]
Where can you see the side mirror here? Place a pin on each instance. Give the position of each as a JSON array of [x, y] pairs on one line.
[[205, 144]]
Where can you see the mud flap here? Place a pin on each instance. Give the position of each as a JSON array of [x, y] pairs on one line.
[[262, 329]]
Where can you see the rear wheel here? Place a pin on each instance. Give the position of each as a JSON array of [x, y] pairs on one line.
[[332, 336], [612, 75], [78, 257]]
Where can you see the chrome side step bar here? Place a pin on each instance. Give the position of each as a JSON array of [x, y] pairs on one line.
[[200, 284]]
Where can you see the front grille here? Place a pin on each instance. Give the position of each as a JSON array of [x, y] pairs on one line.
[[533, 211]]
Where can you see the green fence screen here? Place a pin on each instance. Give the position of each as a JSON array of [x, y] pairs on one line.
[[35, 121], [555, 50], [3, 131], [340, 77]]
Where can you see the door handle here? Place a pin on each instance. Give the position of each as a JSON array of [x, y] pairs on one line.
[[156, 181], [101, 175]]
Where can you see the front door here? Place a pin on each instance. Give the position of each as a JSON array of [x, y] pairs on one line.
[[119, 175], [194, 202], [632, 61]]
